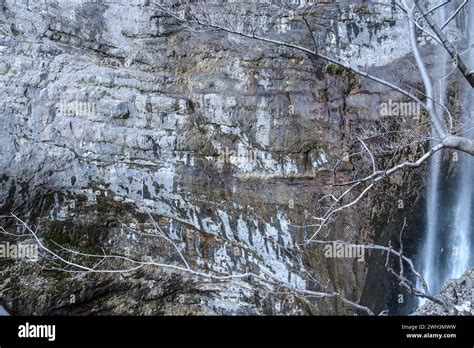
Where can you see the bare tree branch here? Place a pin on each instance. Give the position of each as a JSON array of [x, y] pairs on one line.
[[454, 16], [268, 280], [468, 74]]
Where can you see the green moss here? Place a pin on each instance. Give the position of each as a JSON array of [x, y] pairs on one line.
[[57, 281], [353, 80], [16, 31], [323, 93], [80, 237], [337, 70]]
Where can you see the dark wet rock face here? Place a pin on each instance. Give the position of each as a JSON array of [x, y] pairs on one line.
[[111, 111]]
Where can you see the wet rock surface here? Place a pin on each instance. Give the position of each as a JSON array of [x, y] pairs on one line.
[[111, 111]]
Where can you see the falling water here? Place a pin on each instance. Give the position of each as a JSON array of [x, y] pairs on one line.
[[446, 251], [431, 245], [430, 248], [460, 243]]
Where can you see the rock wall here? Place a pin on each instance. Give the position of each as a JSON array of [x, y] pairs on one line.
[[456, 291], [111, 111]]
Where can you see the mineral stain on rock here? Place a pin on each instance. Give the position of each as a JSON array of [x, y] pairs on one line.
[[145, 163]]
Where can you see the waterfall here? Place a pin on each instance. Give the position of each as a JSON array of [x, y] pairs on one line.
[[431, 244], [431, 247], [446, 251], [460, 243]]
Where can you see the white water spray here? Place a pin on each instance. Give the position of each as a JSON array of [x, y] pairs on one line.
[[460, 242], [446, 251]]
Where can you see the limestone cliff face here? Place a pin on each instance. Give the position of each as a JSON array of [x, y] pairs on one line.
[[111, 111]]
